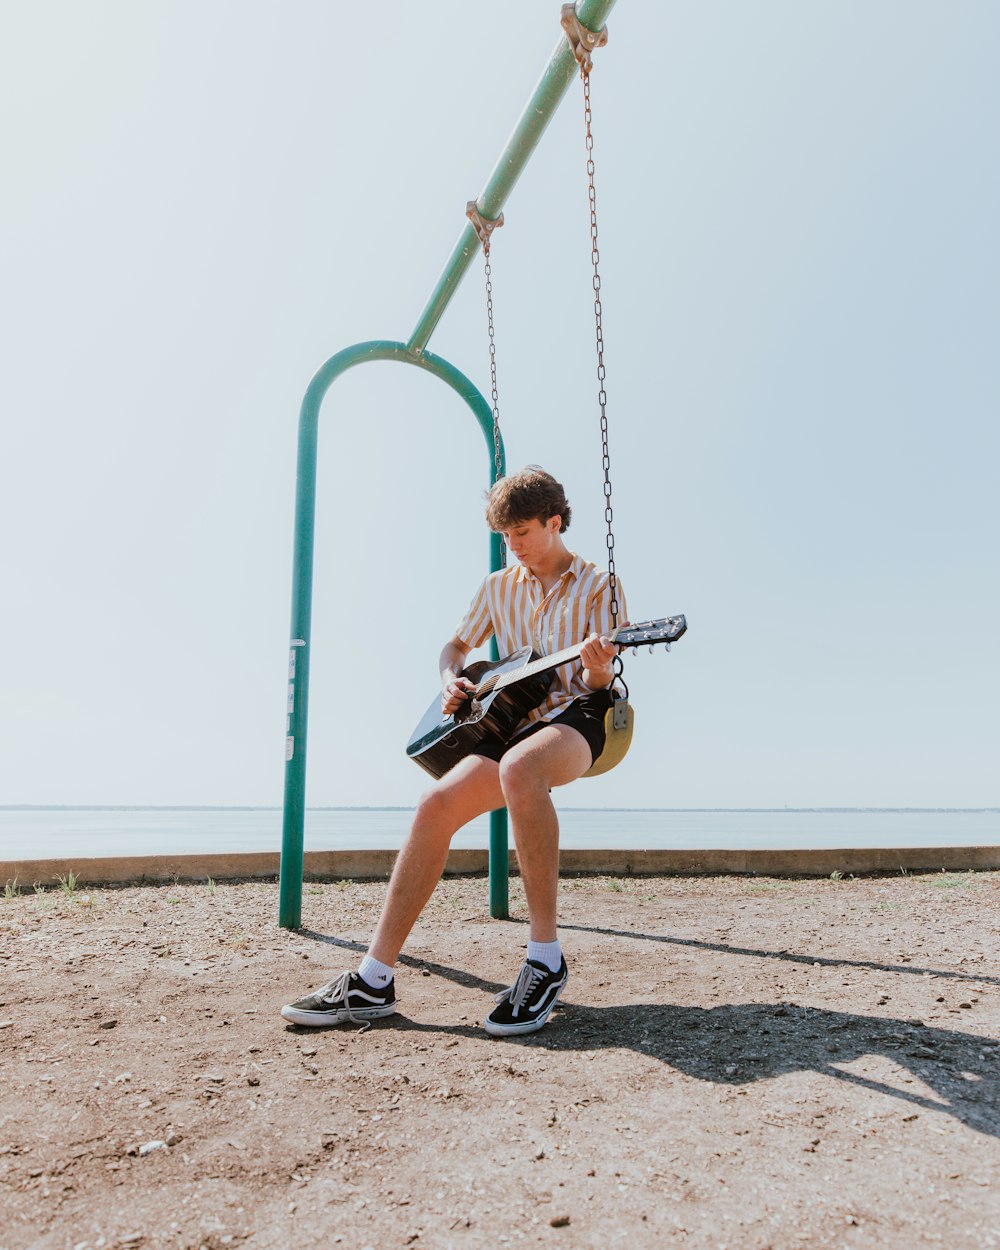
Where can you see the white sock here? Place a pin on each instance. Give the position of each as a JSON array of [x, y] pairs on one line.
[[370, 970], [547, 953]]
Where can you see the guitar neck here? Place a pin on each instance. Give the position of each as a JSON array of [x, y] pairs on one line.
[[665, 630], [541, 665]]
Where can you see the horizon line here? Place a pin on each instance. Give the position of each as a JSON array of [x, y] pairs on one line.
[[238, 807]]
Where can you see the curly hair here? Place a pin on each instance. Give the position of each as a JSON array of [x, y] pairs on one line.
[[531, 494]]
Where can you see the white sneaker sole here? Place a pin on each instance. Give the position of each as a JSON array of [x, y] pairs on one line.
[[324, 1019]]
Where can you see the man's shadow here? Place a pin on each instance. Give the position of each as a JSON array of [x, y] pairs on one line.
[[736, 1043]]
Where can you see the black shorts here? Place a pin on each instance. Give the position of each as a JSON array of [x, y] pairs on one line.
[[585, 715]]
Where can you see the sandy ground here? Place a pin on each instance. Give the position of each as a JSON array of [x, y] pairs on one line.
[[737, 1064]]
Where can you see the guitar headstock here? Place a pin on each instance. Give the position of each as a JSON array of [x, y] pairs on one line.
[[647, 633]]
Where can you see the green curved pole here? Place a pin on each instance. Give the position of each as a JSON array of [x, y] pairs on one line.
[[290, 891]]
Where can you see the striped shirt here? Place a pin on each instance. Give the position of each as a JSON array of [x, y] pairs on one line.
[[512, 605]]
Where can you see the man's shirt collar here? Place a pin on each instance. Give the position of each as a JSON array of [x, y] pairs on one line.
[[576, 567]]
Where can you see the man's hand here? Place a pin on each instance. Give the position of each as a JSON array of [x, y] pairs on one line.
[[454, 687], [456, 691], [597, 657]]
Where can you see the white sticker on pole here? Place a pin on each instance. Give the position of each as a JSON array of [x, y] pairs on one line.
[[289, 748], [291, 697]]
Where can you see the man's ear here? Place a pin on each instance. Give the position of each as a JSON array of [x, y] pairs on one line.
[[555, 523]]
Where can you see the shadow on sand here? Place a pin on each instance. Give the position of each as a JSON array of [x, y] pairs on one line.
[[737, 1043]]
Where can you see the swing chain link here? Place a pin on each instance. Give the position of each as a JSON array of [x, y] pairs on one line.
[[602, 397], [484, 229], [497, 458]]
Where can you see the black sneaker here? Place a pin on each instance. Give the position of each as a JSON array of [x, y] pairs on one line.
[[348, 998], [525, 1006]]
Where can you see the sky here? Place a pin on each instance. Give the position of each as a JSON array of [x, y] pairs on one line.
[[797, 205]]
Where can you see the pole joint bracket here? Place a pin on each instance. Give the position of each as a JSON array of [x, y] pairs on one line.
[[483, 226], [582, 41]]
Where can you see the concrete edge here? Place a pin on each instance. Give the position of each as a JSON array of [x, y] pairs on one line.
[[357, 865]]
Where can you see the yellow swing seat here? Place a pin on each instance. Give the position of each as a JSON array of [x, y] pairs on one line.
[[619, 721]]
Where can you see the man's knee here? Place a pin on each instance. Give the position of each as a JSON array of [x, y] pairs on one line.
[[432, 807], [458, 797], [521, 777]]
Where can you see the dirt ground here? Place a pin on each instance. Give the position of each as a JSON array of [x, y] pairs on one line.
[[737, 1064]]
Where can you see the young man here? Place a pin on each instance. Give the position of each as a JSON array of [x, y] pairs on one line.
[[549, 599]]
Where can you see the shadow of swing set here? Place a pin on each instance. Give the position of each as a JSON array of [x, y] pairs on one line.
[[584, 32]]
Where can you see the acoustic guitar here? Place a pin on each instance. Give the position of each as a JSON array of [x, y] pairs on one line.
[[506, 691]]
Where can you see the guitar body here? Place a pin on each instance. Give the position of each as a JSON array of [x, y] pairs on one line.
[[439, 741]]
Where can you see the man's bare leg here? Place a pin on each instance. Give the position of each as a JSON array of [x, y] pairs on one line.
[[551, 757], [554, 756], [470, 789]]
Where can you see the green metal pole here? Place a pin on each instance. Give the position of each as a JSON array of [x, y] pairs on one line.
[[290, 890], [552, 86]]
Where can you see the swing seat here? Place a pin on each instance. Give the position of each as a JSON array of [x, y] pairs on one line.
[[619, 721]]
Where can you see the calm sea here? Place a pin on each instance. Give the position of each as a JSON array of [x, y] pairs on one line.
[[58, 832]]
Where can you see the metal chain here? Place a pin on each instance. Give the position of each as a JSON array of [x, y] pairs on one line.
[[497, 458], [602, 397]]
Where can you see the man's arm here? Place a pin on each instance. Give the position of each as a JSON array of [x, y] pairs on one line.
[[454, 687], [597, 658]]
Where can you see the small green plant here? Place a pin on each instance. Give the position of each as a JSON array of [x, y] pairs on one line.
[[172, 898], [954, 880], [210, 885], [68, 883], [11, 889], [836, 876], [614, 884], [315, 889], [39, 889]]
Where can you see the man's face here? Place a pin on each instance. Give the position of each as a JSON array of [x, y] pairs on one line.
[[532, 542]]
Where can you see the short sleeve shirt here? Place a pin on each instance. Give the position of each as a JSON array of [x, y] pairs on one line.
[[512, 606]]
